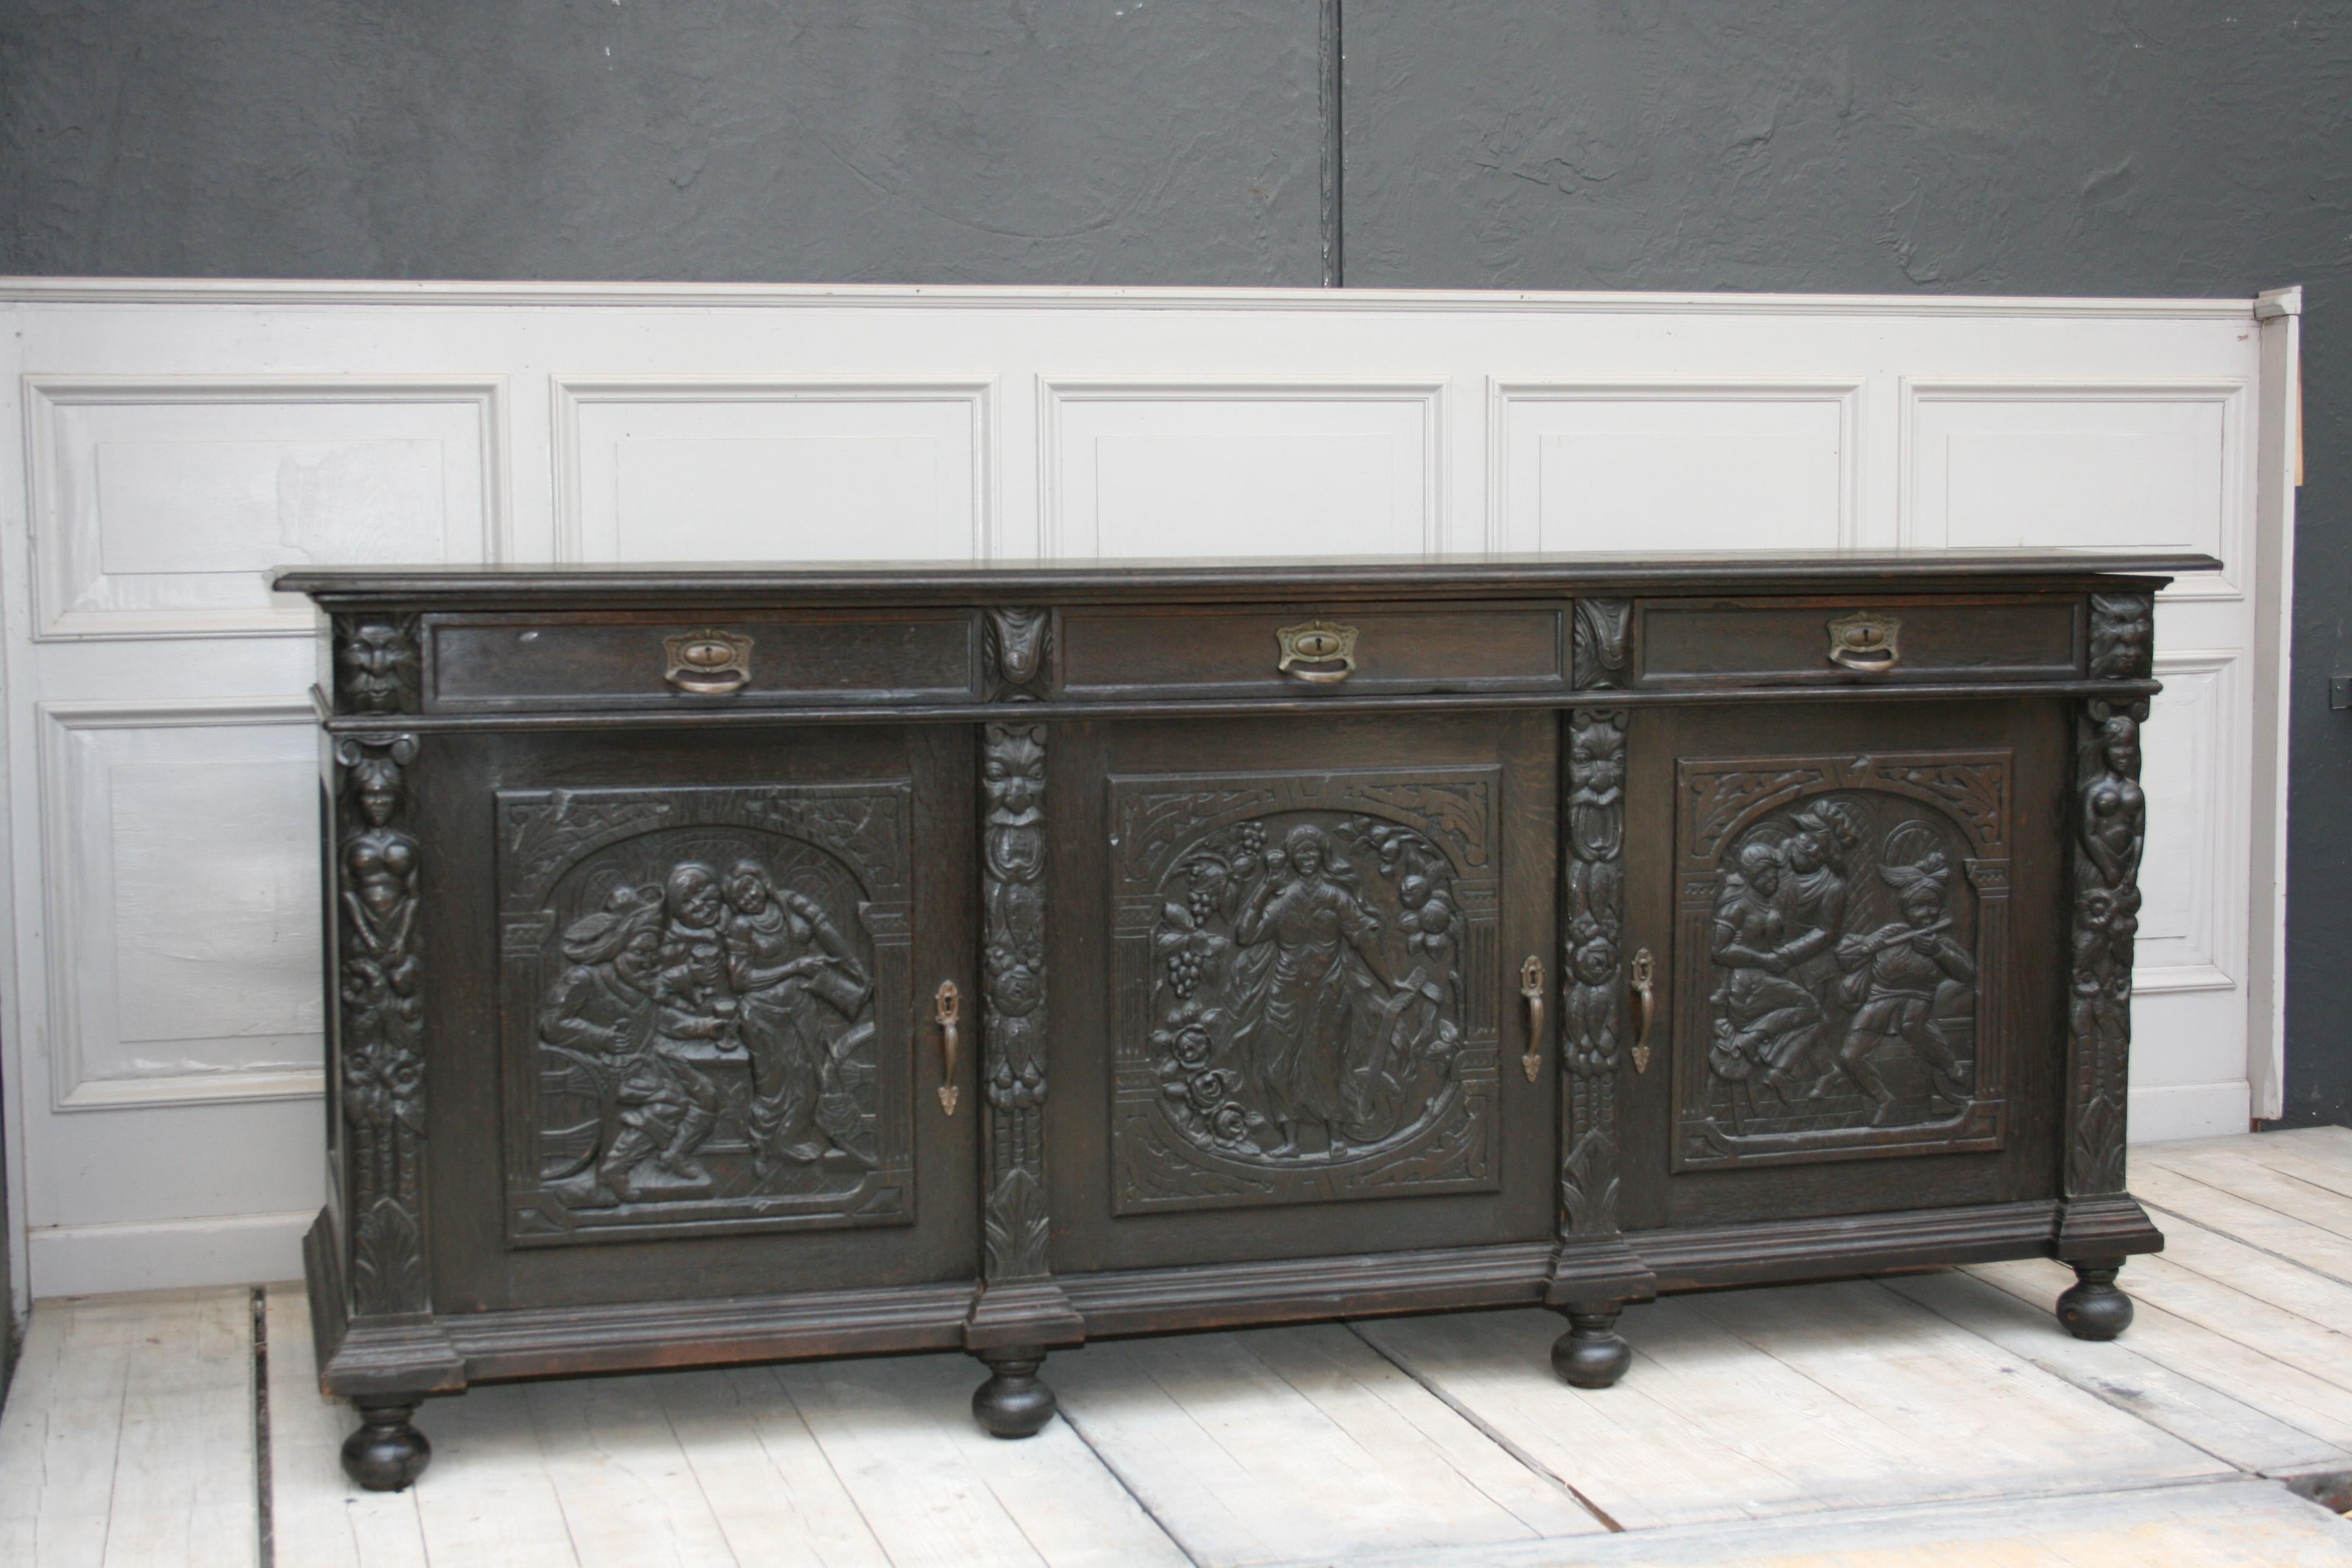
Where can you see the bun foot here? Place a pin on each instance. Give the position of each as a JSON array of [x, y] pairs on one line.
[[1015, 1402], [386, 1453], [1591, 1354], [2093, 1307]]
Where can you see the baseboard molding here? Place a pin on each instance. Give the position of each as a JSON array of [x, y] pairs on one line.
[[2190, 1110], [226, 1249]]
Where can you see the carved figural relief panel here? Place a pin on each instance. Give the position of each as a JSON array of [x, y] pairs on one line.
[[1842, 956], [703, 994], [1305, 981]]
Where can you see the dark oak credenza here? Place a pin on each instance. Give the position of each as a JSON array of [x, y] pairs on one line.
[[728, 965]]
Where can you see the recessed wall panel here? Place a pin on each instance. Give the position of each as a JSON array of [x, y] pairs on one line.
[[2139, 467], [768, 471], [159, 508], [1179, 469], [182, 886], [2190, 876], [1674, 467]]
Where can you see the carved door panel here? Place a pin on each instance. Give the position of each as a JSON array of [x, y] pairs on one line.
[[707, 1036], [1856, 967], [1308, 1033]]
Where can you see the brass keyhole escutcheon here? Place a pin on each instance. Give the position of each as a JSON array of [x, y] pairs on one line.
[[707, 663], [1310, 646], [1865, 641]]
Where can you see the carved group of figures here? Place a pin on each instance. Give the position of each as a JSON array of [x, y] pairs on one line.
[[1841, 940], [668, 991], [1307, 994]]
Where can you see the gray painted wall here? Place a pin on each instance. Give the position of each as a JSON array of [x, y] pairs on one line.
[[2121, 146]]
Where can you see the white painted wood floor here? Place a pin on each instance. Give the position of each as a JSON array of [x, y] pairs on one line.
[[1940, 1420]]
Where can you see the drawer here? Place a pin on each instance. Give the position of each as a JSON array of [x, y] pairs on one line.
[[1287, 650], [1849, 641], [492, 663]]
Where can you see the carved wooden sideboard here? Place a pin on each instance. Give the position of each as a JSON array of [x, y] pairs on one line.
[[729, 964]]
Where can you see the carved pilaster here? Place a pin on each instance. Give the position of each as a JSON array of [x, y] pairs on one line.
[[2109, 831], [1593, 1262], [1019, 1303], [1601, 644], [380, 1033], [377, 668], [1019, 642]]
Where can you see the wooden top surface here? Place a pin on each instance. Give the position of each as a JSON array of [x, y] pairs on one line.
[[1383, 577]]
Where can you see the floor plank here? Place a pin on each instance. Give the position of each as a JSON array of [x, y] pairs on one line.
[[128, 1438], [2283, 1286], [2287, 1238], [1750, 1404], [57, 1439], [2274, 1181], [488, 1496], [936, 1489], [2250, 1373], [1282, 1443], [319, 1519], [2203, 1412], [2227, 1524]]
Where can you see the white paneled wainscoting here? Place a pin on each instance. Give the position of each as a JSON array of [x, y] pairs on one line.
[[172, 441]]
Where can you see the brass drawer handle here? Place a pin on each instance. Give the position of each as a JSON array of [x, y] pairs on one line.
[[1645, 1006], [1531, 991], [707, 663], [1324, 643], [946, 1008], [1865, 642]]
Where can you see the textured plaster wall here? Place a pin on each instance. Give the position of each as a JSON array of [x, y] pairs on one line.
[[1971, 146], [953, 140], [2090, 146]]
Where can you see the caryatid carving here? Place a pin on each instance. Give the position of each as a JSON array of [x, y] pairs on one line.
[[2111, 831], [380, 1033]]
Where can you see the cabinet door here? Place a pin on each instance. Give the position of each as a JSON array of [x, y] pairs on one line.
[[1854, 908], [685, 1042], [1297, 1026]]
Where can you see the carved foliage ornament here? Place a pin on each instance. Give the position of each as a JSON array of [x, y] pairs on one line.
[[380, 1023], [1601, 643], [1019, 644], [1592, 960], [1013, 994]]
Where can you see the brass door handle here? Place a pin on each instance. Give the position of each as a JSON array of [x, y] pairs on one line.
[[1531, 992], [946, 1006], [1645, 1006], [707, 663], [1316, 643]]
